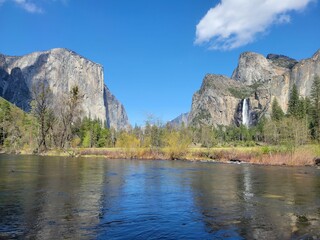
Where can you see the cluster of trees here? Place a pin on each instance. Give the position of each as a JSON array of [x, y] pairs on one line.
[[57, 120], [92, 133], [17, 128], [51, 124], [58, 124], [301, 124]]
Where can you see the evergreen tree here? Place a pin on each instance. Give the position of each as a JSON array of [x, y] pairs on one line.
[[308, 107], [277, 113], [315, 101], [86, 141], [294, 102], [301, 113], [5, 119], [104, 138]]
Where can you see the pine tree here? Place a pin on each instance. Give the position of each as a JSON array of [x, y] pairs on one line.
[[277, 114], [294, 102], [301, 109], [315, 101]]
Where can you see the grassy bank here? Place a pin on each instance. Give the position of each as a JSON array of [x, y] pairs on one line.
[[266, 155]]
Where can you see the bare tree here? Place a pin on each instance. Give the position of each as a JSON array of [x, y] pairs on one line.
[[43, 111], [69, 111]]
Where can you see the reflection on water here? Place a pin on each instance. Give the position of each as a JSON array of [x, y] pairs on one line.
[[56, 198]]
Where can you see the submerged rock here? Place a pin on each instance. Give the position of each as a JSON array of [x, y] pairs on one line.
[[235, 160]]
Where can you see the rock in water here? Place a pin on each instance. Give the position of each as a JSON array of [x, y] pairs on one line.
[[61, 69]]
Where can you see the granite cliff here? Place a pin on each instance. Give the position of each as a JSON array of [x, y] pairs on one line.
[[182, 119], [61, 69], [248, 94]]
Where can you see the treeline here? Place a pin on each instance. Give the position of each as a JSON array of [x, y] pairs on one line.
[[50, 124], [58, 125], [17, 128], [301, 124]]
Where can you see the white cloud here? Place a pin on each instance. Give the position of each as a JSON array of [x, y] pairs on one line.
[[235, 23], [29, 6]]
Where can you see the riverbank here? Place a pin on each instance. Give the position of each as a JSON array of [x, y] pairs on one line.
[[264, 155]]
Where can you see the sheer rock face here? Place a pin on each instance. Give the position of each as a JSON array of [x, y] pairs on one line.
[[253, 68], [303, 73], [214, 104], [182, 119], [256, 78], [115, 112], [61, 69]]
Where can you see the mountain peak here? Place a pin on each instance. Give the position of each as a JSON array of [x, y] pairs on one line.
[[282, 60], [316, 54], [61, 68]]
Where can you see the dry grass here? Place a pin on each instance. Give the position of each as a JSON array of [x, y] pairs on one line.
[[278, 155], [300, 158], [267, 155], [124, 153]]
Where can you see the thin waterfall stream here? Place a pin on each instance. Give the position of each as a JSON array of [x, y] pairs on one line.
[[245, 113]]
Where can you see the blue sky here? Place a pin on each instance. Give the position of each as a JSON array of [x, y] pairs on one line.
[[155, 53]]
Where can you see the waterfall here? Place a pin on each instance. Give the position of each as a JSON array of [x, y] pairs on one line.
[[245, 113]]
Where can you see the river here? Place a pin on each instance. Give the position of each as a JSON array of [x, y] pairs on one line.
[[91, 198]]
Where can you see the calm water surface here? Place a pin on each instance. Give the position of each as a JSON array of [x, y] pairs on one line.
[[63, 198]]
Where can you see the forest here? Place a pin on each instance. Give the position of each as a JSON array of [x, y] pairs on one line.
[[60, 127]]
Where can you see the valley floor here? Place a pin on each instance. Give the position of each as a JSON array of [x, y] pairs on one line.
[[266, 155]]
